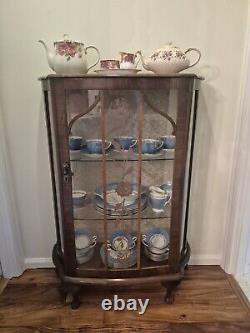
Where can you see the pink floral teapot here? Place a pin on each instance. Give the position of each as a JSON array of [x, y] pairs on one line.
[[168, 60], [69, 57]]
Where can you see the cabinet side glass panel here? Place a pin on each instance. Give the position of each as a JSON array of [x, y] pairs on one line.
[[54, 168]]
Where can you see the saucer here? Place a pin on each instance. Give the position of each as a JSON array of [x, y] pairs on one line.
[[87, 154], [117, 72]]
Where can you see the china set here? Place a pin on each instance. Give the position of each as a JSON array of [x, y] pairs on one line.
[[124, 143], [69, 57], [127, 204], [121, 248], [127, 65]]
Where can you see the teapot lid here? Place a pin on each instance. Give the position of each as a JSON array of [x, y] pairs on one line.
[[68, 40], [168, 46]]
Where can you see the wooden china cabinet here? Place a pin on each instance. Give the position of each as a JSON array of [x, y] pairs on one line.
[[104, 108]]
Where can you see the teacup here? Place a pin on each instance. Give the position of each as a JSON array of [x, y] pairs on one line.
[[168, 141], [156, 240], [122, 241], [128, 60], [94, 146], [151, 146], [79, 197], [75, 142], [158, 201], [84, 242], [110, 64], [126, 142]]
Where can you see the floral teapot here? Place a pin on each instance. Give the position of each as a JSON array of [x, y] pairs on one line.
[[168, 60], [69, 57]]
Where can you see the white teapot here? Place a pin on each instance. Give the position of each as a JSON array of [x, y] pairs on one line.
[[69, 57], [168, 60]]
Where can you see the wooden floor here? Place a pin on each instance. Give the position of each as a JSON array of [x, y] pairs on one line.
[[207, 301]]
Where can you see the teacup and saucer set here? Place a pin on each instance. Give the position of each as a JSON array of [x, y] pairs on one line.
[[121, 250], [168, 142], [156, 244], [93, 148], [150, 147], [85, 243], [76, 143], [127, 65], [160, 196]]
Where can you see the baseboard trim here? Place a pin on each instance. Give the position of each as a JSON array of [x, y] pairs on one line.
[[205, 259], [38, 263], [195, 260]]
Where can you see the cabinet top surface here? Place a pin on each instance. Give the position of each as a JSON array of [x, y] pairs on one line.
[[143, 75]]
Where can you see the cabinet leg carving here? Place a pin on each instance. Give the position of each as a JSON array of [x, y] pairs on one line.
[[170, 288], [73, 296]]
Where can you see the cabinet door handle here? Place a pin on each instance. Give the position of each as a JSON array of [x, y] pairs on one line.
[[67, 173]]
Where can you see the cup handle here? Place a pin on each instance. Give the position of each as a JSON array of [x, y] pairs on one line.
[[98, 53], [137, 53], [169, 199], [108, 145], [93, 244], [132, 246], [160, 146], [199, 56], [144, 242], [134, 144]]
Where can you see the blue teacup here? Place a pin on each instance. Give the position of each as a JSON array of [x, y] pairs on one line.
[[151, 146], [126, 142], [94, 146], [75, 142], [168, 141]]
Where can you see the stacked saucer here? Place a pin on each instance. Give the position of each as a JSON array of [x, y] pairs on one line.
[[121, 250], [85, 246], [156, 244]]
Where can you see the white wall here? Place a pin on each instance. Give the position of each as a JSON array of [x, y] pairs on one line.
[[215, 27]]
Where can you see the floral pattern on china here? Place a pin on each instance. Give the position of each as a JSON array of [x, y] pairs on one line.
[[168, 60], [68, 56]]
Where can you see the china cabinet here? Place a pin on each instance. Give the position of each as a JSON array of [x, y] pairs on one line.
[[121, 161]]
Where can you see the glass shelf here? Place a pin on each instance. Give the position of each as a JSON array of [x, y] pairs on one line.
[[119, 156]]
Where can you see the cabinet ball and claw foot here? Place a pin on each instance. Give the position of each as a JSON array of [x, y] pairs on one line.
[[121, 151]]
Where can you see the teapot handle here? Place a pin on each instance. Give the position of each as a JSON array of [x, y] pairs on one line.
[[199, 56], [98, 53]]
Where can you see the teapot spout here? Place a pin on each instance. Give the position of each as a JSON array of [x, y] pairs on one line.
[[49, 54], [144, 64]]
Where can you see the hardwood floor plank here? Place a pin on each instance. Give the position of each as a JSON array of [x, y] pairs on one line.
[[206, 301]]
